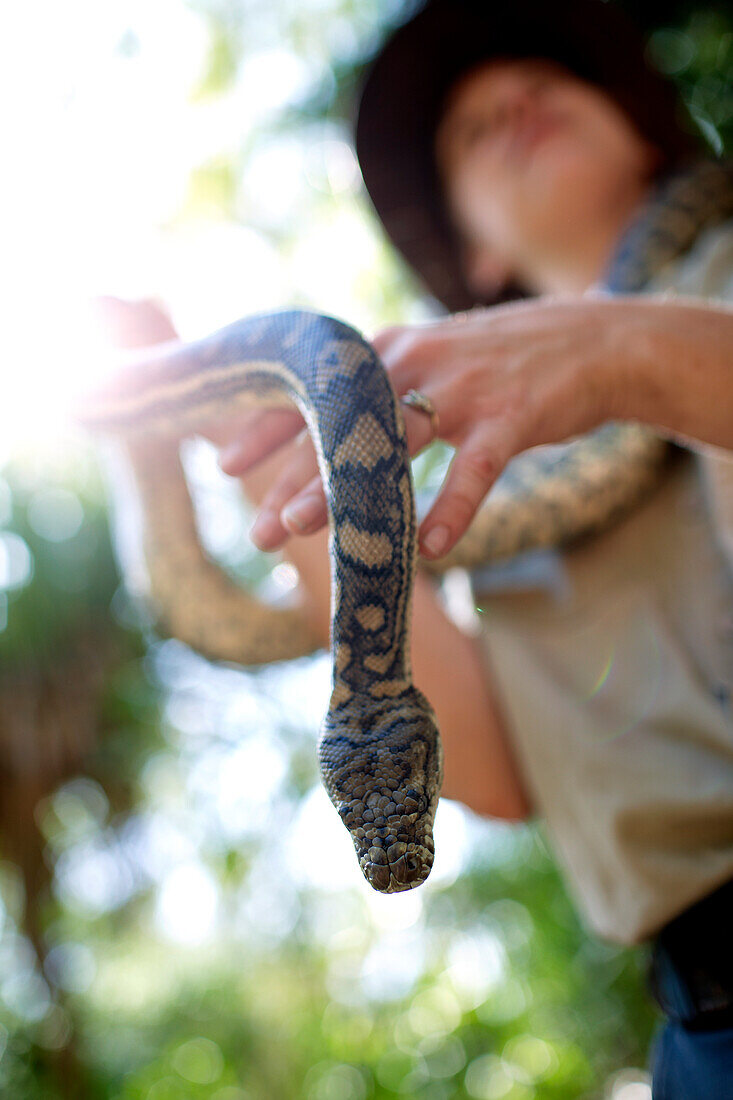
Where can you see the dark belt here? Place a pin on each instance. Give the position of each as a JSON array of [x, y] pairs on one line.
[[690, 971]]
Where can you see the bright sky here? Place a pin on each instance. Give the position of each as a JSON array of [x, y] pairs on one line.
[[103, 134]]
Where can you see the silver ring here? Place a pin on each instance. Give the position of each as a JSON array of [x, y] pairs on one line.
[[419, 401]]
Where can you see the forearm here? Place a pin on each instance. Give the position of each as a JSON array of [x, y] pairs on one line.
[[480, 767], [672, 367]]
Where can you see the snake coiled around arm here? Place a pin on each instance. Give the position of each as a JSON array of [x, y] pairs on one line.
[[379, 749]]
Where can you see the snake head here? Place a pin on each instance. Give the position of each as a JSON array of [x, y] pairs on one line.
[[381, 763]]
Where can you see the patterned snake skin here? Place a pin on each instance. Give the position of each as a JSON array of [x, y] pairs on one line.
[[379, 751]]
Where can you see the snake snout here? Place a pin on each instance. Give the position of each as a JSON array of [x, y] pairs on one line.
[[392, 834], [401, 870], [394, 841]]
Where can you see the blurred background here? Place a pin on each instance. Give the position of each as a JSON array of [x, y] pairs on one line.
[[181, 912]]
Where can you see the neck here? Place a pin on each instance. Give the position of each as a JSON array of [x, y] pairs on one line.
[[579, 262]]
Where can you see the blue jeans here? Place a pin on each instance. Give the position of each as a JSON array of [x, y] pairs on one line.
[[691, 978], [692, 1065]]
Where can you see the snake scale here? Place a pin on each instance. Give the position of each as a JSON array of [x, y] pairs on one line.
[[379, 750]]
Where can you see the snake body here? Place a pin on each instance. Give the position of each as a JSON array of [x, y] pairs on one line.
[[379, 750]]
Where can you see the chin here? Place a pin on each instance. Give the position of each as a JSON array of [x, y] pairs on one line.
[[568, 187]]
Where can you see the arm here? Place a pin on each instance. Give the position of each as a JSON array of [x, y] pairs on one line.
[[681, 379], [512, 377]]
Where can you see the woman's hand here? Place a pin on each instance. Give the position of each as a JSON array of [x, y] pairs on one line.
[[501, 380]]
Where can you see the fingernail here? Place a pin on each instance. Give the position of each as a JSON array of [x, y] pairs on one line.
[[436, 540], [302, 513], [266, 530]]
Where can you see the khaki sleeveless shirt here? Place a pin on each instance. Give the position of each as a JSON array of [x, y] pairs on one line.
[[613, 663]]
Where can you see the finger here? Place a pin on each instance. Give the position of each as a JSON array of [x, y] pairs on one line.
[[405, 354], [474, 469], [225, 430], [261, 434], [413, 354], [308, 512], [385, 337], [418, 428], [269, 531]]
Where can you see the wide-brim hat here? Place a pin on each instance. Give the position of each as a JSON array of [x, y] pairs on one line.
[[406, 85]]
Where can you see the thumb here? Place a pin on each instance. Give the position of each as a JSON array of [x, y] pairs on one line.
[[131, 324]]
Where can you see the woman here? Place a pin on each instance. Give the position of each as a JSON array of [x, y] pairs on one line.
[[512, 153], [507, 157]]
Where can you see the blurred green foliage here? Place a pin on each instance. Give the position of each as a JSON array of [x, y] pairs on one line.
[[191, 947], [58, 553], [697, 52]]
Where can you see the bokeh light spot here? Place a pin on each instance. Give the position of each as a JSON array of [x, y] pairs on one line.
[[55, 514], [199, 1060], [16, 561], [187, 904]]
